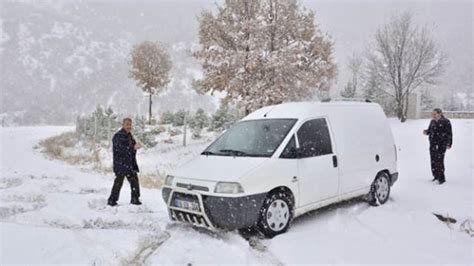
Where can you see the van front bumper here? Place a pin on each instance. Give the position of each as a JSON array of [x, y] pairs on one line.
[[215, 211]]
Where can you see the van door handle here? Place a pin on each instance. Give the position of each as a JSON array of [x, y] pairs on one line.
[[295, 179], [334, 160]]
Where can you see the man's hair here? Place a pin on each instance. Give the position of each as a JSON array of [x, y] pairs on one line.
[[438, 110], [126, 119]]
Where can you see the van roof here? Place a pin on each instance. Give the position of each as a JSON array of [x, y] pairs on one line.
[[302, 110]]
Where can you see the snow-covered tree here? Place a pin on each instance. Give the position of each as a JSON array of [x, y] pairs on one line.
[[452, 103], [263, 52], [403, 58], [200, 119], [371, 91], [178, 118], [354, 64], [141, 134], [150, 67], [349, 90], [166, 117], [427, 101], [100, 125], [223, 118]]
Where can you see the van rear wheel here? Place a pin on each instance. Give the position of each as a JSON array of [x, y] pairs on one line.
[[276, 214], [381, 188]]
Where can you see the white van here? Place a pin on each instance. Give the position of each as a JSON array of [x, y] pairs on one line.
[[282, 161]]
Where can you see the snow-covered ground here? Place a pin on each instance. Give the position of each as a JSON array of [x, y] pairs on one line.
[[52, 212]]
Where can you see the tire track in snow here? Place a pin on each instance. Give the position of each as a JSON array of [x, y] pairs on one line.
[[260, 250], [147, 246]]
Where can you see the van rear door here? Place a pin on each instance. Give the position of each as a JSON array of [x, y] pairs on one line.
[[318, 173]]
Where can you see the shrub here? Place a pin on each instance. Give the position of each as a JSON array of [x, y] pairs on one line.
[[174, 131], [140, 133], [158, 130], [54, 146], [100, 125], [178, 119], [167, 118]]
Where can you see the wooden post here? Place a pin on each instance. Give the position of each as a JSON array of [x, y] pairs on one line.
[[109, 130], [149, 109], [95, 128], [184, 130]]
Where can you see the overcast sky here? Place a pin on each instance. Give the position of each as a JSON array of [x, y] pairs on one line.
[[352, 23]]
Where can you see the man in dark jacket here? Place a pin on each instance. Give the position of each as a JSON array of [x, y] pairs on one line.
[[441, 138], [125, 163]]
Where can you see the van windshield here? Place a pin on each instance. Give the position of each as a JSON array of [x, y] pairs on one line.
[[252, 138]]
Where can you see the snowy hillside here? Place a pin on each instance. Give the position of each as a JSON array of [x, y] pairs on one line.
[[52, 212], [63, 53]]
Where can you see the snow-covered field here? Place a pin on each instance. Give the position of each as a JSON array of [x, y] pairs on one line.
[[52, 212]]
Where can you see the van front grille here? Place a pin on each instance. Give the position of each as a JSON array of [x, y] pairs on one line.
[[192, 187], [195, 219]]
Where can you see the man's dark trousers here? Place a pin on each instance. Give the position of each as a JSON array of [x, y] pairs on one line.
[[134, 186], [437, 161]]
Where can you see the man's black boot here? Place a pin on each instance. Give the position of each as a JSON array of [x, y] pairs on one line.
[[434, 179], [111, 203], [135, 201], [441, 182]]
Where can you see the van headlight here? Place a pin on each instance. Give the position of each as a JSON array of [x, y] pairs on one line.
[[228, 188], [169, 180]]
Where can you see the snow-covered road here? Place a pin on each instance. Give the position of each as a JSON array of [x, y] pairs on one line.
[[52, 212]]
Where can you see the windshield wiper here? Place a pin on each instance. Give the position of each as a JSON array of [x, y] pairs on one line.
[[207, 153], [234, 152]]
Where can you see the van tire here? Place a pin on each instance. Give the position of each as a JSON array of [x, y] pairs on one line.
[[276, 214], [380, 190]]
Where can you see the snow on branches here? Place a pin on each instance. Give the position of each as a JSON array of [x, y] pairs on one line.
[[150, 67], [263, 52], [403, 58]]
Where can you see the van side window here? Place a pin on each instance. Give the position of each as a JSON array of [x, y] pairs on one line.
[[314, 138], [290, 150]]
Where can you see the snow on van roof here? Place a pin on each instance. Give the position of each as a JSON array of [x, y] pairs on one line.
[[301, 110]]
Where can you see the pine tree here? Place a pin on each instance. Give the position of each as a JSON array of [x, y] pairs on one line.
[[223, 118], [263, 52], [349, 90], [200, 119], [178, 118], [141, 134], [167, 117]]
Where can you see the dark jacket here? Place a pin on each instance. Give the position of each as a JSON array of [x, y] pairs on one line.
[[125, 161], [440, 132]]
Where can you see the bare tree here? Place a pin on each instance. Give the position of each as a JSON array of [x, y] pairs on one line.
[[403, 58], [150, 67], [354, 64], [263, 52]]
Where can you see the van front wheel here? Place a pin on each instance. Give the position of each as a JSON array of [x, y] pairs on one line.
[[276, 214]]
